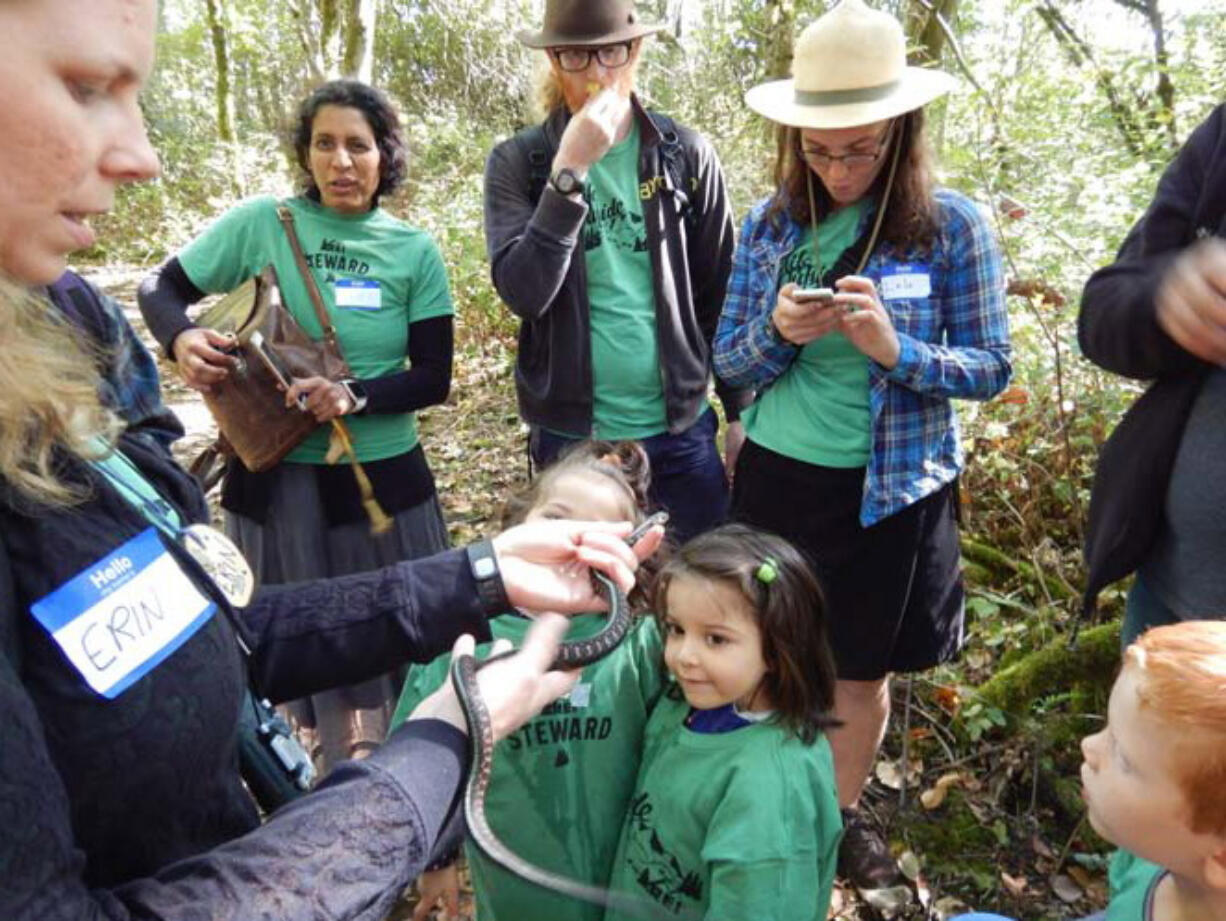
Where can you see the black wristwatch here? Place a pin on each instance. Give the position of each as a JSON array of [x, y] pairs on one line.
[[566, 181], [357, 394], [484, 566]]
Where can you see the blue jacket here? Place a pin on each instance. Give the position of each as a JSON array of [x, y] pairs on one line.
[[954, 344]]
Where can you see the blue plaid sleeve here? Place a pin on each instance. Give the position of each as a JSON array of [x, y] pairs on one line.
[[748, 350], [974, 362]]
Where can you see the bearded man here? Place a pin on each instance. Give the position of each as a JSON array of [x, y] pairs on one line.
[[610, 236]]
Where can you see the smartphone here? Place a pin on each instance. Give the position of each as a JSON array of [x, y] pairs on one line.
[[801, 295]]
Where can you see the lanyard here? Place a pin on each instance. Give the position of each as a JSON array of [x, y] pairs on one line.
[[138, 492], [218, 557]]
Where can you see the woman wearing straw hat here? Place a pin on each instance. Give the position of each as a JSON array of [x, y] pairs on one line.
[[853, 449]]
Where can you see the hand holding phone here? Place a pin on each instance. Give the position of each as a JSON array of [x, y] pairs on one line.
[[805, 295]]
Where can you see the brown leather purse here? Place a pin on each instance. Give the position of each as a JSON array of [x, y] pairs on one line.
[[249, 405]]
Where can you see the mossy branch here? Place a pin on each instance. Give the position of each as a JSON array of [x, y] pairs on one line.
[[1055, 668], [995, 561]]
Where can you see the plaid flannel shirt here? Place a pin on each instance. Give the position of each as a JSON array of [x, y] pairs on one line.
[[953, 344], [129, 384]]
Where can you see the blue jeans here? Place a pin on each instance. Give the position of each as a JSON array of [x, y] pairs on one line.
[[687, 475]]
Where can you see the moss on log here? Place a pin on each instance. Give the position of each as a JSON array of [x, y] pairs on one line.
[[1055, 668], [992, 559]]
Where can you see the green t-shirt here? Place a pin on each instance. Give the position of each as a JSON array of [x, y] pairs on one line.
[[1133, 882], [817, 411], [561, 783], [734, 825], [627, 387], [376, 275]]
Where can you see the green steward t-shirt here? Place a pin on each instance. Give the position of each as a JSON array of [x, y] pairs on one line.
[[560, 784], [730, 826], [817, 411], [376, 275], [1133, 882], [627, 388]]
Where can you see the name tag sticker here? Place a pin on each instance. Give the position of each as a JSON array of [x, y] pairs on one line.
[[904, 282], [119, 618], [581, 696], [358, 294]]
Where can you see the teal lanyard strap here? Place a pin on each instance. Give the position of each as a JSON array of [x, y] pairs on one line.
[[138, 492]]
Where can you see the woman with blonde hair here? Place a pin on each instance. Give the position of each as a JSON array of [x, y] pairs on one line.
[[123, 661], [863, 300]]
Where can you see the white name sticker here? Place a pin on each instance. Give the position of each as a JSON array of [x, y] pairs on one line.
[[358, 294], [581, 696], [118, 619], [904, 282]]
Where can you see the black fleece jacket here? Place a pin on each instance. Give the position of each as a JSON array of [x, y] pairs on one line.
[[1118, 330], [532, 247]]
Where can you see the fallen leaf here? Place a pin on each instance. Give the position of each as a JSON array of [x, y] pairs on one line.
[[1014, 885], [1041, 847], [1081, 876], [889, 902], [909, 864], [932, 798], [947, 698], [947, 906], [889, 775], [1065, 889]]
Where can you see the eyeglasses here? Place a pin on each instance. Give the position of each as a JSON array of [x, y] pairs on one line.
[[573, 60], [850, 161]]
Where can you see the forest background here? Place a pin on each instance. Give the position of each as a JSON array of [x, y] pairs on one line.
[[1067, 113]]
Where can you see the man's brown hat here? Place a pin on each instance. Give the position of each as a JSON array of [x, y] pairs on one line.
[[588, 22]]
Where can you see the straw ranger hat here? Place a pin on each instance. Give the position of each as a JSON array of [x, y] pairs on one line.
[[576, 23], [849, 68]]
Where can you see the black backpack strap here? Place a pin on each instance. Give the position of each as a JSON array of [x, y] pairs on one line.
[[672, 157], [539, 157]]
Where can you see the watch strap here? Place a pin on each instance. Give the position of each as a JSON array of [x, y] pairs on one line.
[[483, 563], [357, 394]]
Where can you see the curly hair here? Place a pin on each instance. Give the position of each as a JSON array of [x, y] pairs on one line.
[[379, 113], [790, 612], [910, 218]]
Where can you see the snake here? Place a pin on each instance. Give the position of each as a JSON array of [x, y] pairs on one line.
[[570, 655]]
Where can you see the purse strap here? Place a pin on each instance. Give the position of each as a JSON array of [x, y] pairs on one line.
[[321, 312]]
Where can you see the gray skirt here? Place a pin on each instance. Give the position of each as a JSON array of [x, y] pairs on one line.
[[296, 543]]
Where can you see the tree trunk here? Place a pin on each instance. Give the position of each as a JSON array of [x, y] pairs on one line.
[[359, 31], [1165, 88], [781, 21], [924, 29], [1082, 55], [216, 12]]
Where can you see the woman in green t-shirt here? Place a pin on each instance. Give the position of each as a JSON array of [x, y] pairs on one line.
[[386, 292], [863, 300]]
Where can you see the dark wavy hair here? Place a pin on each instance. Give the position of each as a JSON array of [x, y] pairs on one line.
[[910, 218], [790, 612], [380, 115], [622, 463]]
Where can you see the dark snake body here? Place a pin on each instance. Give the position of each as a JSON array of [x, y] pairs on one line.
[[570, 655]]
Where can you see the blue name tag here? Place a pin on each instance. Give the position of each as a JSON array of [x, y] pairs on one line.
[[905, 282], [119, 618], [358, 294]]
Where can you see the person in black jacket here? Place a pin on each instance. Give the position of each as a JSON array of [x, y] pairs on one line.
[[122, 661], [1159, 313], [610, 236]]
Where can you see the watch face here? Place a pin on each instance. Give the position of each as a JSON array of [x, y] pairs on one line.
[[566, 182]]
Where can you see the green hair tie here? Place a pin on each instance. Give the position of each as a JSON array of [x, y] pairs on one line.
[[768, 572]]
